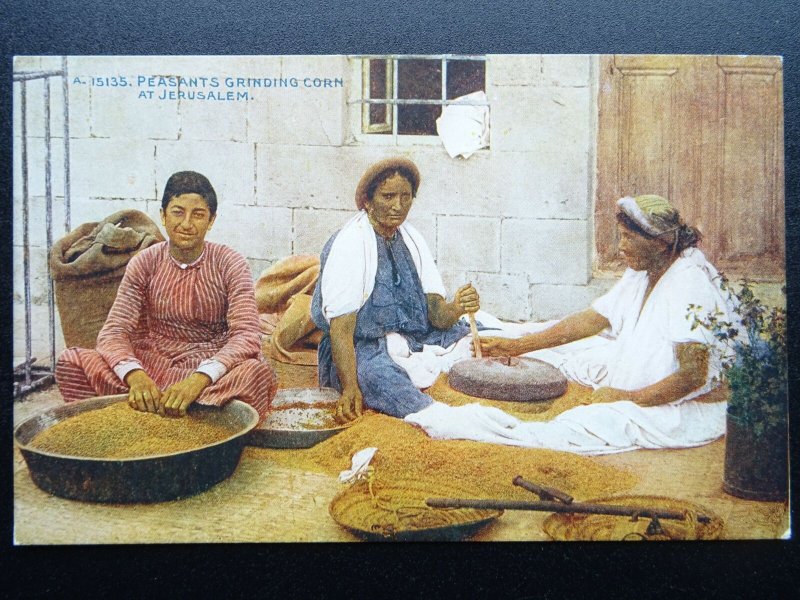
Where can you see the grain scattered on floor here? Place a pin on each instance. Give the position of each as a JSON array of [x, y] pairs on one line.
[[270, 499]]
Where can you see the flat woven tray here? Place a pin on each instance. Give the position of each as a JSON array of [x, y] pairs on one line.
[[396, 511], [582, 527]]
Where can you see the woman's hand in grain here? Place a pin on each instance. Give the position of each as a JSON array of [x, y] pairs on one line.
[[351, 405], [177, 398], [143, 393]]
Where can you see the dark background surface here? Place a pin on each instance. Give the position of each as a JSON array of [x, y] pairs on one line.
[[514, 570]]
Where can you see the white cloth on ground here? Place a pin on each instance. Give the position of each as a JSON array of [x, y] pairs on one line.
[[359, 465], [469, 422], [592, 430], [424, 367], [349, 275]]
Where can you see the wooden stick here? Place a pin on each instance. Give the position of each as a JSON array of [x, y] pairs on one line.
[[473, 327], [544, 492], [561, 507]]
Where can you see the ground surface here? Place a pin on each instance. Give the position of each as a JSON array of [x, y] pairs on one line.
[[271, 497]]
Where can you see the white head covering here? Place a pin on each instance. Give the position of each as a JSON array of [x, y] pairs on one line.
[[654, 214]]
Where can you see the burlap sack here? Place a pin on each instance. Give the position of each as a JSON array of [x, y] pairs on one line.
[[283, 295], [87, 266]]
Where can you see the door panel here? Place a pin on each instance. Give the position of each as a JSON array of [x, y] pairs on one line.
[[707, 133]]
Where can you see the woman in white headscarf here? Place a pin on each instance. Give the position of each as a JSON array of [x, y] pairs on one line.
[[651, 361]]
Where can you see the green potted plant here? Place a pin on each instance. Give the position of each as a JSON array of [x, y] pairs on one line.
[[756, 372]]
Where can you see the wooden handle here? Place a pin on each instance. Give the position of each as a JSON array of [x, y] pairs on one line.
[[475, 339], [586, 508], [544, 492]]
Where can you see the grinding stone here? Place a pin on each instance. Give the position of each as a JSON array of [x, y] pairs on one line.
[[514, 379]]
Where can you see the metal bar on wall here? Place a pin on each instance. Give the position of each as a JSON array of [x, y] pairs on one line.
[[67, 197], [395, 80], [444, 80], [421, 56], [29, 376], [48, 192], [35, 75], [419, 101], [26, 258]]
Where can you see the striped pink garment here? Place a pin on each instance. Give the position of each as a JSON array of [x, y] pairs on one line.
[[170, 319]]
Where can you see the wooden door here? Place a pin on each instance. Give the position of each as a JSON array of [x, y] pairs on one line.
[[706, 132]]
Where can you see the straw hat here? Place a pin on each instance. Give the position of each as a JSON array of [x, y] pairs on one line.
[[389, 163]]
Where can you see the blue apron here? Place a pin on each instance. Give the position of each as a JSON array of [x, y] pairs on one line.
[[397, 305]]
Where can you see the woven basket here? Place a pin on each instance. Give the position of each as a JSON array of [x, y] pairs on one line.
[[396, 511], [582, 527]]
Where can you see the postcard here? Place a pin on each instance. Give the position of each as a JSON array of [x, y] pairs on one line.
[[491, 297]]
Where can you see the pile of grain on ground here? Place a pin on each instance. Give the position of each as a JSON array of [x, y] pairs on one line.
[[485, 470], [118, 431]]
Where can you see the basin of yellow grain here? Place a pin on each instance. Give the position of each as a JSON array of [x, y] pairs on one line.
[[101, 450]]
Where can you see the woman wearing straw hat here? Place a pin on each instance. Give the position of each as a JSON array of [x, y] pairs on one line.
[[379, 291], [651, 366]]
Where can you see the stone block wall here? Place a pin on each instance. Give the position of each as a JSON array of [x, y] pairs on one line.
[[515, 219]]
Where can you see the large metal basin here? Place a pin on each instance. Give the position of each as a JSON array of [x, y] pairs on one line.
[[154, 478]]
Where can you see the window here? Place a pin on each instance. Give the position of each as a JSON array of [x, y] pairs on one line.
[[404, 95]]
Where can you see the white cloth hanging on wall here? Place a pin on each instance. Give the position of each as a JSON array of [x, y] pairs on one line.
[[464, 129]]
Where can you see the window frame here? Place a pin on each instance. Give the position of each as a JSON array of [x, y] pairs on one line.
[[378, 134]]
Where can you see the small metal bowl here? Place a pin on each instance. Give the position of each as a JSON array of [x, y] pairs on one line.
[[291, 407], [155, 478]]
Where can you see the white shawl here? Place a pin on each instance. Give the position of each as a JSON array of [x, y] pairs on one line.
[[349, 274]]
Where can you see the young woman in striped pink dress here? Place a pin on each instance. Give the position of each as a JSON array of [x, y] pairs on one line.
[[184, 327]]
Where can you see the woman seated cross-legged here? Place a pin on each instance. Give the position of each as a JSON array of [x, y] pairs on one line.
[[184, 326], [654, 370], [380, 301]]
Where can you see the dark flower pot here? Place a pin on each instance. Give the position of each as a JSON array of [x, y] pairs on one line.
[[756, 466]]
